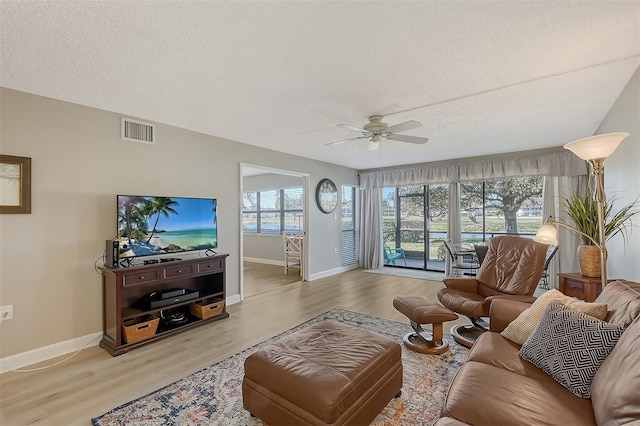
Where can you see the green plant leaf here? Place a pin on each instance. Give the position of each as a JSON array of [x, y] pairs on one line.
[[583, 211]]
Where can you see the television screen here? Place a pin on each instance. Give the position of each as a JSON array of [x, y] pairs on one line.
[[159, 225]]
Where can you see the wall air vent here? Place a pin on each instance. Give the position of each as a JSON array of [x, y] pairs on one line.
[[137, 131]]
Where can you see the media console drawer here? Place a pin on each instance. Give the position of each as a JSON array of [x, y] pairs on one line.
[[178, 271], [210, 266], [141, 277]]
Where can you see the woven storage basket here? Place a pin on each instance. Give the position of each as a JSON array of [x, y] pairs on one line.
[[207, 308], [140, 328], [589, 260]]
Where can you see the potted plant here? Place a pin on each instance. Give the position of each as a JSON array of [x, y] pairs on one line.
[[583, 211]]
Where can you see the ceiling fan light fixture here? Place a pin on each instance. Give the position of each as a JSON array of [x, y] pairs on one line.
[[377, 130], [374, 143]]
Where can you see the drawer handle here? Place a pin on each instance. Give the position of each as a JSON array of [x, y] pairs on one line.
[[179, 270], [141, 277], [209, 266], [574, 286]]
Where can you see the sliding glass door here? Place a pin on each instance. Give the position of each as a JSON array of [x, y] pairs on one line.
[[415, 219], [412, 229]]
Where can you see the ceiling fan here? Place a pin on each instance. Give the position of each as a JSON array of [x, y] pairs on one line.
[[376, 129]]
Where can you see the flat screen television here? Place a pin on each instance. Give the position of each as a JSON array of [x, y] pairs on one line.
[[159, 225]]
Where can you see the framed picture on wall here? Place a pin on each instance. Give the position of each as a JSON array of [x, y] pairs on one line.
[[15, 184]]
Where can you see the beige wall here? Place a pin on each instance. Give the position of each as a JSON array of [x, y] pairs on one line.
[[79, 164], [622, 177]]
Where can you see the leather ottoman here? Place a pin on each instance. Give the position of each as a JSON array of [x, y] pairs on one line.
[[326, 374]]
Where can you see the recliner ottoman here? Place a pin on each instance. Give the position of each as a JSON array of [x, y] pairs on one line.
[[329, 373]]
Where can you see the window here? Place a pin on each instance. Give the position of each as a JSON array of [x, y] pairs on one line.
[[349, 246], [273, 211], [500, 206], [415, 217]]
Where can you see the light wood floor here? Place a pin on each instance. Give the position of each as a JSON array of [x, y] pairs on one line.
[[93, 382]]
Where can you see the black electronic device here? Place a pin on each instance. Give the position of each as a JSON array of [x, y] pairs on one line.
[[169, 259], [151, 261], [111, 254], [174, 292], [155, 300]]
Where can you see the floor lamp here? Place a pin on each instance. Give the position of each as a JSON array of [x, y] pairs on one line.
[[593, 149]]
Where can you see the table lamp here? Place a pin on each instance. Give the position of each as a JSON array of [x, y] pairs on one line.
[[593, 149]]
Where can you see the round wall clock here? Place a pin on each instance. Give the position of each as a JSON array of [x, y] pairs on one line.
[[326, 196]]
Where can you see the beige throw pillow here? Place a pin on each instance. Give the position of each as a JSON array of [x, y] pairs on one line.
[[519, 330]]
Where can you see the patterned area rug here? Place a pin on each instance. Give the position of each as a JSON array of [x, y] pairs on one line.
[[213, 396]]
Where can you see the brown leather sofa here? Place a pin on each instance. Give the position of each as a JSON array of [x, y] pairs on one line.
[[497, 387]]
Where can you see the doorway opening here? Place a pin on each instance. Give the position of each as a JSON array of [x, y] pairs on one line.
[[273, 200]]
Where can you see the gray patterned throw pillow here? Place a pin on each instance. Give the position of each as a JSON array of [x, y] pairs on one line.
[[570, 346]]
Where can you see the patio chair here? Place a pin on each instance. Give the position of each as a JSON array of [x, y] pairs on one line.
[[544, 279], [458, 265], [391, 255]]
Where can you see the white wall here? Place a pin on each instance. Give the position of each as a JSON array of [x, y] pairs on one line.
[[622, 177], [79, 164]]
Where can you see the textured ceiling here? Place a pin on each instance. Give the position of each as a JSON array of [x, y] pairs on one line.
[[483, 77]]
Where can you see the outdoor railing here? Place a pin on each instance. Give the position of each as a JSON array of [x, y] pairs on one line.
[[437, 251]]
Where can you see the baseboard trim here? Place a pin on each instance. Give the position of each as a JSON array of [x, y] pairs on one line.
[[331, 272], [264, 261], [44, 353]]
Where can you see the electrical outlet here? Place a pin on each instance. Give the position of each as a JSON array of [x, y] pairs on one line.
[[6, 312]]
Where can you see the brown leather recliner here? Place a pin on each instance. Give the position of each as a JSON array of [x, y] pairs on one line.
[[511, 270]]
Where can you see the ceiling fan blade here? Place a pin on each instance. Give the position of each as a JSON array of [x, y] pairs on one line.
[[403, 127], [407, 138], [350, 127], [345, 140]]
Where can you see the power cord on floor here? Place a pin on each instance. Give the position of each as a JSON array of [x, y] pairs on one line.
[[30, 370]]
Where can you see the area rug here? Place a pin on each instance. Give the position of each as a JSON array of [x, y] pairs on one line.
[[213, 396], [408, 273]]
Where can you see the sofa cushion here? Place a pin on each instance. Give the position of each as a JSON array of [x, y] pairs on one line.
[[470, 304], [520, 329], [482, 394], [615, 390], [623, 301], [493, 349], [570, 346]]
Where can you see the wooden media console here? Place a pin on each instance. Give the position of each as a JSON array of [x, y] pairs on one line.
[[126, 294]]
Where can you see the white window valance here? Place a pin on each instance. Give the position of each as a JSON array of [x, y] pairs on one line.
[[561, 163]]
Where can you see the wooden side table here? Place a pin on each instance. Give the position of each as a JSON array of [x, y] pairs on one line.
[[577, 285]]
